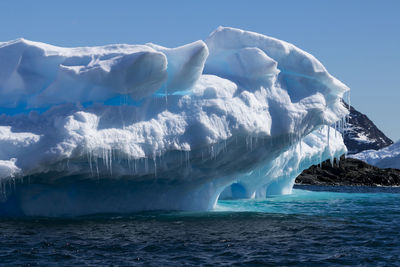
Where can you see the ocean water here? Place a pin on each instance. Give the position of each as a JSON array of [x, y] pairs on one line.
[[315, 226]]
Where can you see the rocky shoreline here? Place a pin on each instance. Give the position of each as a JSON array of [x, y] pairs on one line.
[[348, 172]]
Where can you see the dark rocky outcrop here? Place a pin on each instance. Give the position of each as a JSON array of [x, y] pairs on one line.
[[362, 134], [349, 172]]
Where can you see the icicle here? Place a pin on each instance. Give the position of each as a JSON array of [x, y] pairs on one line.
[[335, 128], [155, 165], [211, 151], [97, 167], [329, 130], [111, 160], [105, 158], [348, 102], [88, 153], [249, 143]]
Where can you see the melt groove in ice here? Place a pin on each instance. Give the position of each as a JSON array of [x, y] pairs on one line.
[[123, 128]]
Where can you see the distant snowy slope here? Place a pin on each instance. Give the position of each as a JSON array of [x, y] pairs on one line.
[[362, 134], [388, 157]]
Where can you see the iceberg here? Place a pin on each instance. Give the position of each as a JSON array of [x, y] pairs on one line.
[[388, 157], [126, 128]]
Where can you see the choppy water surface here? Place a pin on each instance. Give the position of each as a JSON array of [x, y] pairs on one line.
[[351, 227]]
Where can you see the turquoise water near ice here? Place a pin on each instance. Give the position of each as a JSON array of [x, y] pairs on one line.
[[321, 201], [315, 226]]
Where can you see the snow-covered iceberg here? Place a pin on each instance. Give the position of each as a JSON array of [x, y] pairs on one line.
[[124, 128], [388, 157]]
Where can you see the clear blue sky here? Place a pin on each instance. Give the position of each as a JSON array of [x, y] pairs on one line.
[[358, 41]]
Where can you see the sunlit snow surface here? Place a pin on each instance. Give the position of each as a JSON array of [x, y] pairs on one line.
[[123, 128], [388, 157]]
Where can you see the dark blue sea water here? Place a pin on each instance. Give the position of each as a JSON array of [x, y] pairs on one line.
[[352, 226]]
